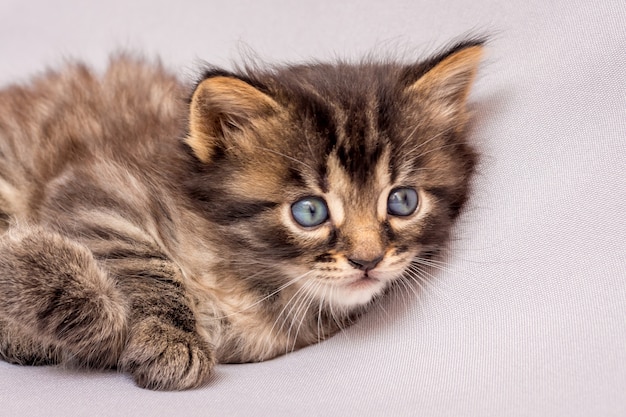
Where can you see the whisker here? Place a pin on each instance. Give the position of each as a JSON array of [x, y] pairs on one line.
[[444, 266], [281, 288], [422, 278], [283, 155], [382, 308], [290, 316], [403, 292], [438, 135], [449, 145], [406, 290], [445, 131], [332, 313], [422, 272], [305, 311], [319, 314], [293, 318], [427, 276], [296, 308], [409, 137], [294, 298], [414, 279]]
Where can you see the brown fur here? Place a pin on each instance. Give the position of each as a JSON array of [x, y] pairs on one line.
[[156, 236]]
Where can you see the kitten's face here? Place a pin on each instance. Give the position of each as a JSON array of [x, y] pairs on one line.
[[369, 232], [334, 179]]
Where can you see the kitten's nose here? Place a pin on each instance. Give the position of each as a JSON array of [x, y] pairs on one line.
[[364, 265]]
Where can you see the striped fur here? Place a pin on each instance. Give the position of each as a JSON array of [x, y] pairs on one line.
[[151, 233]]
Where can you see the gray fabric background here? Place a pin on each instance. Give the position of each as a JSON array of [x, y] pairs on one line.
[[528, 317]]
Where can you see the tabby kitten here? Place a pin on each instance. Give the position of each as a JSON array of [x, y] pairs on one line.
[[158, 235]]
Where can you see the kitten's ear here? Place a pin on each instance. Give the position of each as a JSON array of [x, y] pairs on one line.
[[221, 106], [446, 84]]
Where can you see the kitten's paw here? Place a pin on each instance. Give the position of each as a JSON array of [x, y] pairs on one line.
[[54, 290], [21, 349], [162, 357]]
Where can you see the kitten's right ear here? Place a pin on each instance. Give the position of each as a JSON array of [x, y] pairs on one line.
[[446, 83], [221, 106]]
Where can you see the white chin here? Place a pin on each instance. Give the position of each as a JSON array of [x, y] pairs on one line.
[[353, 295]]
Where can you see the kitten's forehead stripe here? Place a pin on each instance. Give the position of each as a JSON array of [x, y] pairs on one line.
[[324, 124], [296, 177], [361, 147]]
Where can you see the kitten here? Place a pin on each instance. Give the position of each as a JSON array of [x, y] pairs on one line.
[[157, 235]]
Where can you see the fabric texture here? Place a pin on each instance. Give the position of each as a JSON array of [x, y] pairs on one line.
[[528, 316]]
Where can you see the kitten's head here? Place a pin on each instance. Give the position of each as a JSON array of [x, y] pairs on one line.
[[333, 177]]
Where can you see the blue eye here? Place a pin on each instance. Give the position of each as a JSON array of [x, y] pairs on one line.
[[402, 202], [310, 211]]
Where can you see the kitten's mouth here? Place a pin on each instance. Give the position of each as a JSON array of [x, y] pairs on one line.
[[365, 280]]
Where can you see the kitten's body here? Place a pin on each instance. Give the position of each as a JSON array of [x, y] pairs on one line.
[[154, 235]]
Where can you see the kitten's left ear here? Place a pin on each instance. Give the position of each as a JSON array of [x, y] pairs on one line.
[[447, 81]]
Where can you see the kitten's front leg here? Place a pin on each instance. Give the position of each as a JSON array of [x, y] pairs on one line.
[[125, 307], [56, 302], [164, 350]]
